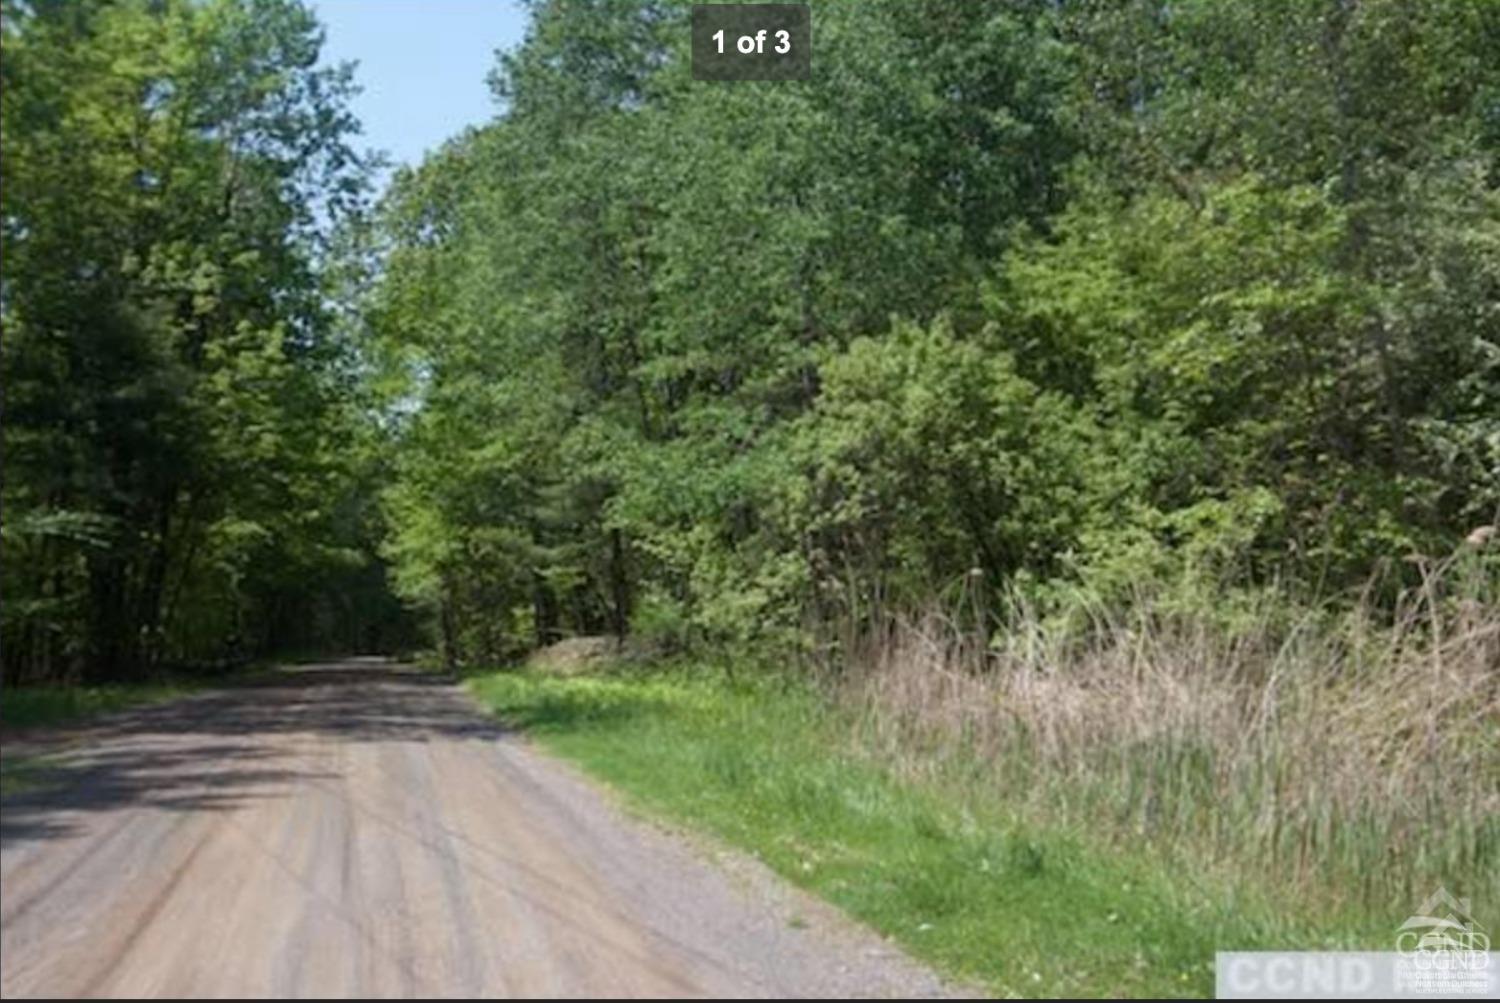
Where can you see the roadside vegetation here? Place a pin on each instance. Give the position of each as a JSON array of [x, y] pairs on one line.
[[1295, 750], [933, 851], [1087, 803], [23, 772], [43, 706]]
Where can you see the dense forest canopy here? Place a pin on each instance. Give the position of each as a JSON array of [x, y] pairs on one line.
[[1007, 299], [181, 442], [1040, 294]]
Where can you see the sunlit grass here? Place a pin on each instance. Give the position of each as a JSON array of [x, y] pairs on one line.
[[950, 873]]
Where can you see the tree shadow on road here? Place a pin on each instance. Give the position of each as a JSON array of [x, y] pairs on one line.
[[216, 750]]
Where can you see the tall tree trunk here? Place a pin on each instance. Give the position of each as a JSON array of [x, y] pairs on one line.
[[111, 647], [153, 585], [448, 628], [544, 606], [619, 585]]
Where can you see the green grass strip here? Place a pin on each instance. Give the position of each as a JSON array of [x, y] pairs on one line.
[[769, 767]]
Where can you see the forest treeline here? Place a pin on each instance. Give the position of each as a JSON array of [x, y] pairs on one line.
[[1016, 298], [186, 469], [1009, 299]]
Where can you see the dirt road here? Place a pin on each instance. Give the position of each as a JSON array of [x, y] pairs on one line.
[[360, 829]]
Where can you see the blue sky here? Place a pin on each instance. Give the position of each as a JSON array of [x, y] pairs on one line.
[[422, 65]]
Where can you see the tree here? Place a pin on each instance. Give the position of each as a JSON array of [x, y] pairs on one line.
[[170, 172], [1058, 292]]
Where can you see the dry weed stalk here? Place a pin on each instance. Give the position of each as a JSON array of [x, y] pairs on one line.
[[1358, 750]]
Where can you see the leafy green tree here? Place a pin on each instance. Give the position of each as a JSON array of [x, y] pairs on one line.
[[170, 171], [1050, 292]]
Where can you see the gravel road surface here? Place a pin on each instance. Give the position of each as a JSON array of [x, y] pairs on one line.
[[361, 829]]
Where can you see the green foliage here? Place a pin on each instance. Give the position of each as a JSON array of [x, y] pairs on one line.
[[50, 706], [765, 764], [930, 458], [1049, 295], [1236, 347], [178, 463], [1056, 294]]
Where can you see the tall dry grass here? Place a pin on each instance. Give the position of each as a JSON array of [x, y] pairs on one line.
[[1347, 753]]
